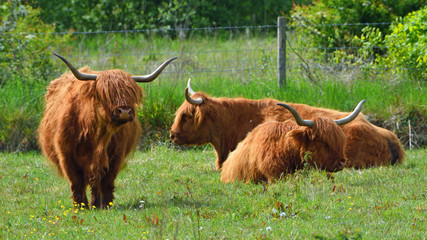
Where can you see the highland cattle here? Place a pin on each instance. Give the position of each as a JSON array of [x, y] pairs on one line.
[[224, 122], [274, 149], [89, 126]]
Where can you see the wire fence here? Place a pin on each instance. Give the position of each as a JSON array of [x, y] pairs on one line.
[[239, 52]]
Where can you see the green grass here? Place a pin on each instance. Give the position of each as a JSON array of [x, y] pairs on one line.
[[168, 193]]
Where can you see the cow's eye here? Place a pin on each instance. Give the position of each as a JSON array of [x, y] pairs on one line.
[[185, 117]]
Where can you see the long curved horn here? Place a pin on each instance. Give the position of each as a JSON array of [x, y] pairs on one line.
[[153, 75], [310, 123], [352, 115], [77, 74], [189, 91], [297, 117]]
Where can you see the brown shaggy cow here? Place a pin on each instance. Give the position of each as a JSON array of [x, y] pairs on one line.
[[274, 149], [224, 122], [89, 126]]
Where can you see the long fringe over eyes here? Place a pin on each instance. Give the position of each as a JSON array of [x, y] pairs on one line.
[[117, 88]]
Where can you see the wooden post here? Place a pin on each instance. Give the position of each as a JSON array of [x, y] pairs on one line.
[[281, 51]]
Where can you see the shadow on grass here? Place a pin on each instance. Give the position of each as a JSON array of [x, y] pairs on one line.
[[174, 201]]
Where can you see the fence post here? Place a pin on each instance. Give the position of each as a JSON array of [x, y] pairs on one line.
[[281, 51]]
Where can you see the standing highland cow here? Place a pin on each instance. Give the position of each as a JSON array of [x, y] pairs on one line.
[[224, 122], [89, 126], [274, 149]]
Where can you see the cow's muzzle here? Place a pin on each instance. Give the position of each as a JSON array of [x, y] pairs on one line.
[[123, 114], [174, 136]]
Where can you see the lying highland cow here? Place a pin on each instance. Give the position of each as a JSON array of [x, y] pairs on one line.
[[274, 149], [89, 126], [224, 122]]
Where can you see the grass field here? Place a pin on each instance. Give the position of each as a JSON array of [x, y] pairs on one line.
[[171, 193]]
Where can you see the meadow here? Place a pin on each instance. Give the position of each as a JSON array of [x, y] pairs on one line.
[[171, 192], [167, 192]]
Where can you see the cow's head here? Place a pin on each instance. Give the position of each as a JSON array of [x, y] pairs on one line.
[[194, 119], [321, 141], [115, 92]]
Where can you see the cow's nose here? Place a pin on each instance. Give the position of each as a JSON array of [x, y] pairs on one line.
[[343, 162], [123, 113], [172, 135]]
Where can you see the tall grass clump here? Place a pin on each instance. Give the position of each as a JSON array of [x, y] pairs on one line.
[[21, 112]]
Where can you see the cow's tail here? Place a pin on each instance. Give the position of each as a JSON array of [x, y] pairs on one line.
[[396, 151], [397, 154], [98, 171]]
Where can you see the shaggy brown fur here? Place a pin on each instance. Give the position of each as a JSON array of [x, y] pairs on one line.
[[83, 133], [224, 122], [274, 149]]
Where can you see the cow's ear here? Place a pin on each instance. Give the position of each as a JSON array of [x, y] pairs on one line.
[[88, 89], [198, 116], [297, 137], [342, 163]]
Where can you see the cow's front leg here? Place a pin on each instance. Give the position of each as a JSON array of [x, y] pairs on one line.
[[79, 196], [107, 183], [78, 182], [99, 170], [96, 195]]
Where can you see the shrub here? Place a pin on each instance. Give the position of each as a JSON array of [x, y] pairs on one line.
[[328, 24], [26, 45], [406, 45]]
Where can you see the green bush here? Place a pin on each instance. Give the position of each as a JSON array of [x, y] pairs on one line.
[[26, 43], [26, 46], [406, 45], [323, 23], [96, 15]]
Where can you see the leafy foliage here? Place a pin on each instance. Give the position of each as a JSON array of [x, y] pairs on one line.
[[83, 15], [404, 49], [26, 44], [406, 44], [324, 21]]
